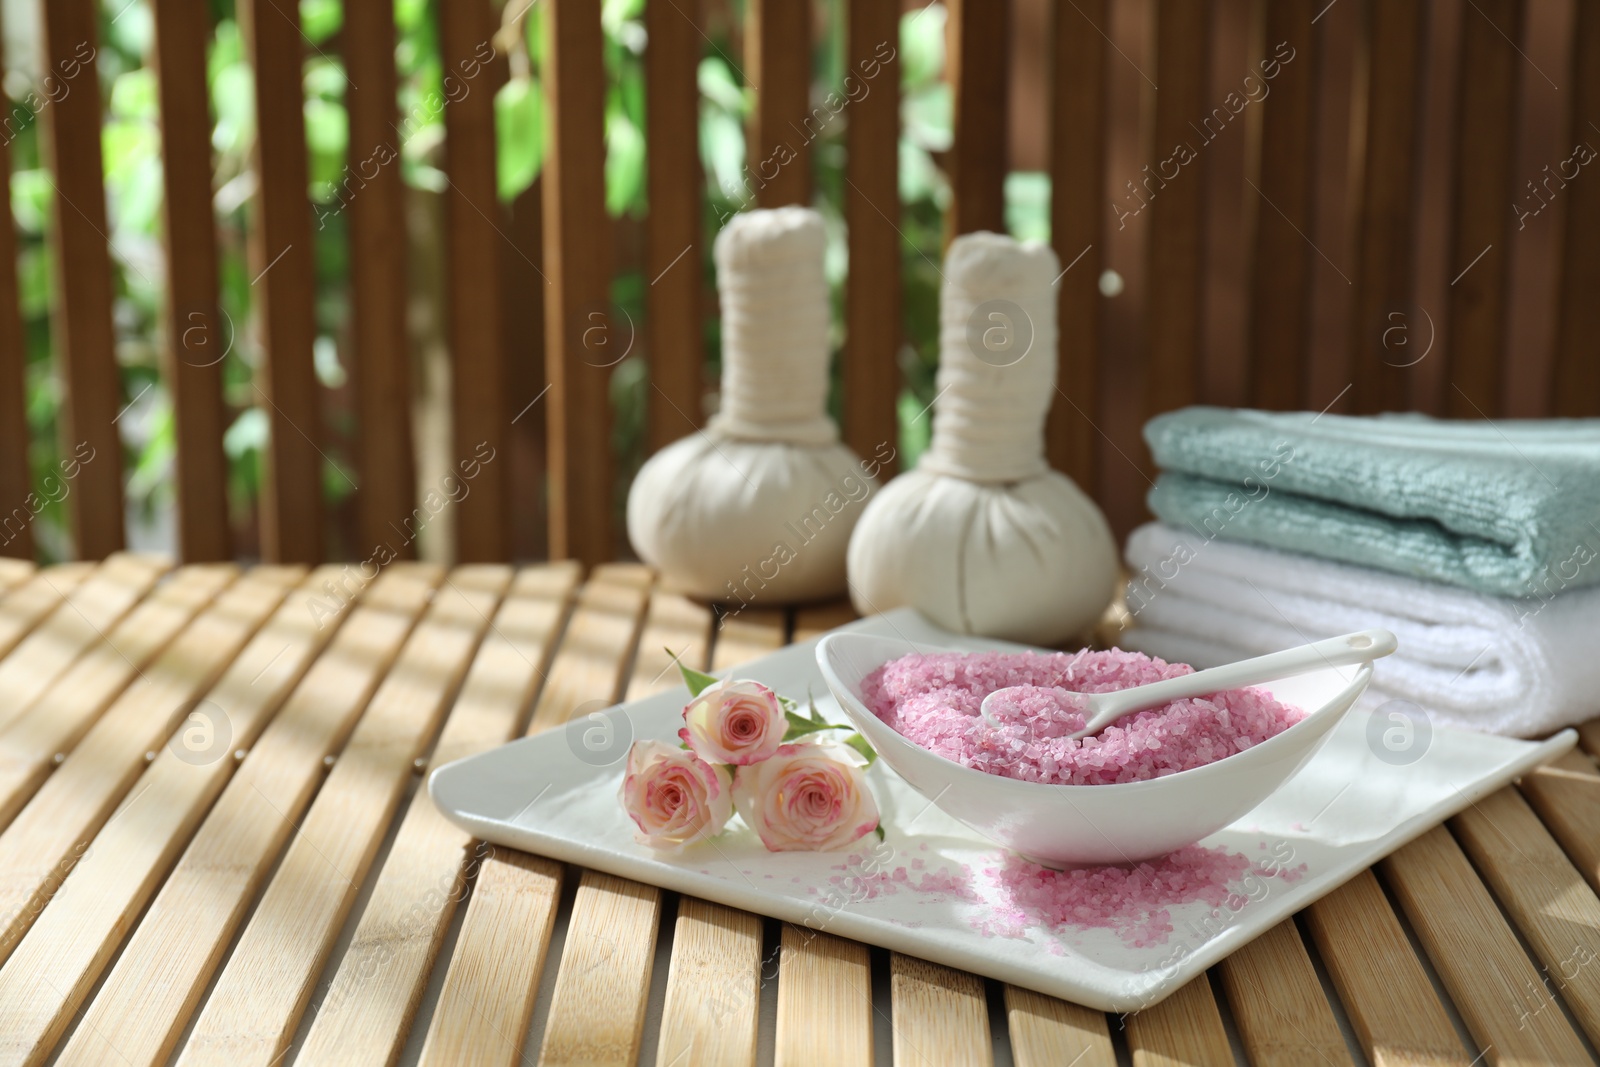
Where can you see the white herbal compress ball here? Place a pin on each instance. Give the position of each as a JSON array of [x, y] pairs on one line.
[[983, 537], [760, 505]]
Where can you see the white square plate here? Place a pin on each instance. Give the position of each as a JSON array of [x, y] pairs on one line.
[[556, 794]]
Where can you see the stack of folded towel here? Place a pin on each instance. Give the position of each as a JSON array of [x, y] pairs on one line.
[[1478, 544]]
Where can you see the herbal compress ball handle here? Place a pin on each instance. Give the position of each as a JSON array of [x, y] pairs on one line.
[[982, 536], [757, 508]]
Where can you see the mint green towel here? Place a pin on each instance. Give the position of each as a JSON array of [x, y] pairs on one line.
[[1509, 508]]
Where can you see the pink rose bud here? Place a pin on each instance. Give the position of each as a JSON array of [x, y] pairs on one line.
[[673, 796], [734, 722], [809, 797]]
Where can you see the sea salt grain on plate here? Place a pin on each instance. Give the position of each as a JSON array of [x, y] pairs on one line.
[[1133, 901], [933, 700]]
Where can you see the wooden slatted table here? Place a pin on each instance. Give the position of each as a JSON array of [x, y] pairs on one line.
[[215, 848]]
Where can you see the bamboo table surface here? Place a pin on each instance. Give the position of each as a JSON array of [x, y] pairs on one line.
[[215, 848]]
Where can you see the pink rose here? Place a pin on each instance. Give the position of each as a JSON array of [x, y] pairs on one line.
[[734, 722], [673, 796], [809, 797]]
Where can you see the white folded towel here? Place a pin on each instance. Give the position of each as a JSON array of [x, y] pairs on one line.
[[1519, 666]]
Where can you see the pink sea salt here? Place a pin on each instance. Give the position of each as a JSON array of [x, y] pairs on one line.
[[1133, 901], [933, 700]]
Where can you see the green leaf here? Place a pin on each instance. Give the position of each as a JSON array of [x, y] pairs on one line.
[[697, 681], [717, 84], [927, 115], [614, 13], [722, 151], [1027, 197], [799, 726], [859, 743], [878, 829], [519, 131], [233, 96], [624, 166], [31, 197], [133, 95], [320, 19], [248, 433], [327, 137], [922, 45]]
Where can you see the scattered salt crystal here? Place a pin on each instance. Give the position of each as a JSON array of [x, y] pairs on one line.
[[933, 700], [1133, 901]]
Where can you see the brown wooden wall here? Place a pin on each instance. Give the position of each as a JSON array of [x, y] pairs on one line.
[[1351, 206]]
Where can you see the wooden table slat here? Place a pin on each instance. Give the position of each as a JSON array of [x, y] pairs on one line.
[[940, 1015], [598, 1005], [46, 839], [597, 1009], [596, 647], [156, 985], [713, 983], [487, 999], [367, 1012], [74, 628], [74, 874], [1556, 910], [30, 602], [1485, 970], [55, 960], [713, 987], [488, 992], [1397, 1017], [54, 723], [58, 961], [818, 619], [1589, 737], [13, 572], [1185, 1028], [824, 982], [751, 633], [1566, 794], [1282, 1015], [266, 985], [824, 1000], [1047, 1032], [673, 624]]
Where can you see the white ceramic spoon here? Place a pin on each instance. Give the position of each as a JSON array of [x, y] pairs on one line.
[[1102, 709]]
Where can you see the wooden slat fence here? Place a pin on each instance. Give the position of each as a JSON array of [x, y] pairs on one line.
[[1314, 195]]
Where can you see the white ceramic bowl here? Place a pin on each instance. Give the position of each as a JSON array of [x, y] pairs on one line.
[[1065, 825]]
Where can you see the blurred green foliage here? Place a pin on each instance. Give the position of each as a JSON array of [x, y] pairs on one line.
[[132, 151]]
